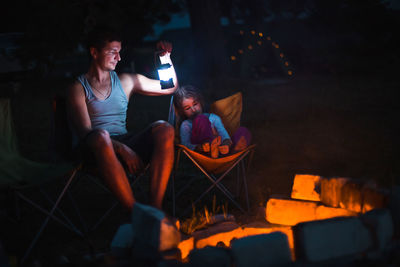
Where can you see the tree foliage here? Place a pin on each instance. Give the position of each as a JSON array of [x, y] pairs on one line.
[[54, 29]]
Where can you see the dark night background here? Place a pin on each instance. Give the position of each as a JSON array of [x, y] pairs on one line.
[[319, 96]]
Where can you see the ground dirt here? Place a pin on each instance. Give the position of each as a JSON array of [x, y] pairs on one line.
[[329, 125]]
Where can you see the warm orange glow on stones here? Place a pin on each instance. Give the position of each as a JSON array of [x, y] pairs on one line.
[[258, 228], [250, 47], [253, 32], [186, 246], [373, 198], [286, 63], [323, 212], [240, 51], [218, 238], [233, 58], [291, 212], [351, 197], [260, 34], [331, 191], [290, 72], [306, 187], [213, 236], [281, 55]]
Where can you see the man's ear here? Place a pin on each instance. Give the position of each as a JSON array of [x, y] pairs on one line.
[[93, 52]]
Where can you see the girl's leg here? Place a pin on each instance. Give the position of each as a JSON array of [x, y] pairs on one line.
[[201, 130], [202, 133], [241, 139]]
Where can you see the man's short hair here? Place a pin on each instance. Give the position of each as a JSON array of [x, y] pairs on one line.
[[100, 36]]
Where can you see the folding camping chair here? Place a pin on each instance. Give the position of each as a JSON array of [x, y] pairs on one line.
[[18, 174], [215, 170], [62, 147]]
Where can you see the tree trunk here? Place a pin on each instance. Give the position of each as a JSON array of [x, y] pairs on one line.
[[211, 57]]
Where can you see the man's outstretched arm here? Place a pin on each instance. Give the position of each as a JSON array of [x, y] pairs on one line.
[[137, 83]]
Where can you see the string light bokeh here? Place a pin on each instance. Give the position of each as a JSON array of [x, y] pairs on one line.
[[263, 41]]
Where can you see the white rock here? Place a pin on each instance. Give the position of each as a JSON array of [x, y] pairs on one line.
[[261, 250], [331, 238], [152, 232], [380, 223]]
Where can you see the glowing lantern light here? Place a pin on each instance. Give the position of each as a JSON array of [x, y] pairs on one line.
[[281, 55], [286, 63], [166, 74], [260, 34], [276, 46], [290, 72], [250, 47], [233, 58], [240, 51], [253, 32], [259, 42]]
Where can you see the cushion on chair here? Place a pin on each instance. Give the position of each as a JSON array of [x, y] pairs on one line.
[[229, 109]]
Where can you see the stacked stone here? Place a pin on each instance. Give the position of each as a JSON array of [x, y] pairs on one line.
[[325, 219], [333, 218]]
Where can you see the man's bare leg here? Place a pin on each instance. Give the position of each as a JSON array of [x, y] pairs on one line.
[[161, 162], [110, 167]]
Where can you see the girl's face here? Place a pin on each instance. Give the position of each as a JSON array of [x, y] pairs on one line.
[[191, 107]]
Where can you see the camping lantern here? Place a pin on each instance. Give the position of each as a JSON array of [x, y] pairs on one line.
[[165, 73]]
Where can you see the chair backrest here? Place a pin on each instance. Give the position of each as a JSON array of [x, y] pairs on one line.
[[229, 109], [61, 134]]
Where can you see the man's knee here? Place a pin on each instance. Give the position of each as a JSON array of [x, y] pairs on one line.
[[164, 131], [98, 139]]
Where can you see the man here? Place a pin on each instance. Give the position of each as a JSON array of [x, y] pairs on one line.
[[97, 104]]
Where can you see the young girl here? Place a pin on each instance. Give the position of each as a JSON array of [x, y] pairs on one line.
[[204, 132]]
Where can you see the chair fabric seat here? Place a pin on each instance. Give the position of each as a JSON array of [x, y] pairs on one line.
[[217, 165]]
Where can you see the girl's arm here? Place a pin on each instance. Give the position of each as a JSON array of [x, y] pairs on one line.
[[186, 133]]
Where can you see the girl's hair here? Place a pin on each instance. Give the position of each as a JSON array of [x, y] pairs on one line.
[[186, 91]]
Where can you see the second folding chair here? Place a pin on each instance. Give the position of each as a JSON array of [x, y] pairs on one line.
[[216, 169]]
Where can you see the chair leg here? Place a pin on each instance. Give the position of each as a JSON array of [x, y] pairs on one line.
[[50, 215], [47, 197], [76, 208], [178, 156], [245, 186]]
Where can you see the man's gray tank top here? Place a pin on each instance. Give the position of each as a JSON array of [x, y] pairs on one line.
[[108, 114]]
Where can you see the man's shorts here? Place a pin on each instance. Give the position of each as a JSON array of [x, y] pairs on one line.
[[142, 144]]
